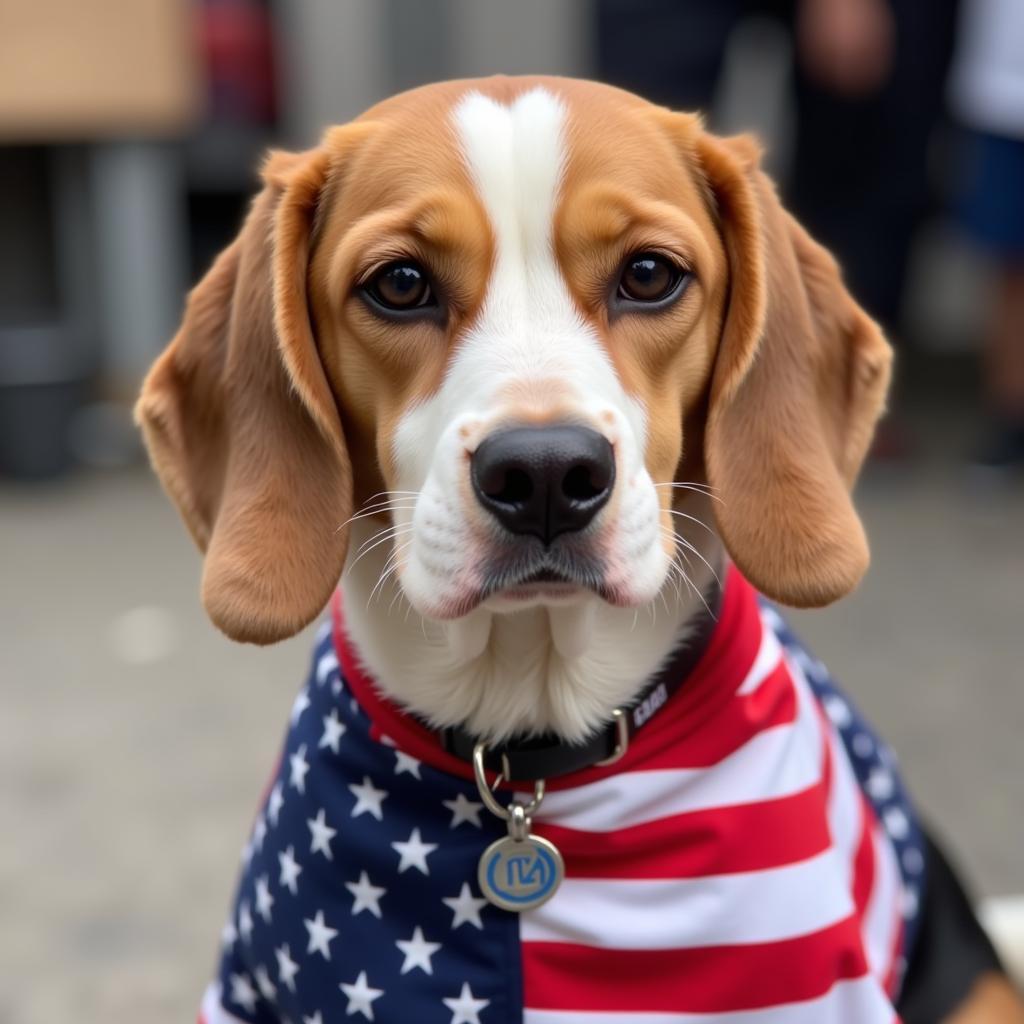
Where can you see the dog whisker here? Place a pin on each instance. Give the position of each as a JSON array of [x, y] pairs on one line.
[[379, 508], [365, 515], [693, 519], [677, 578], [400, 594], [704, 489], [382, 494], [692, 485], [681, 546], [380, 537], [700, 594], [390, 568], [689, 547], [671, 575], [392, 530]]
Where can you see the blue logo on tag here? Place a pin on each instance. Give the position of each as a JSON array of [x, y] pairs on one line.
[[522, 873]]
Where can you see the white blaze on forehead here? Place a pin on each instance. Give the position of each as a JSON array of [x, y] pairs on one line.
[[528, 328], [529, 325], [516, 157]]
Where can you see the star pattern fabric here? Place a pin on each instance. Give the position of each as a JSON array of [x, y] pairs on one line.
[[359, 900]]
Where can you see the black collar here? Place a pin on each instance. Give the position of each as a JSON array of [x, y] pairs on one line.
[[547, 756]]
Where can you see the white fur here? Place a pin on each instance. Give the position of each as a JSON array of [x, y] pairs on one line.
[[561, 665]]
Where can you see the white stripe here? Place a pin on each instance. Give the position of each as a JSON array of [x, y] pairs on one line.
[[882, 916], [846, 820], [211, 1011], [847, 1002], [755, 906], [845, 805], [769, 652], [777, 762]]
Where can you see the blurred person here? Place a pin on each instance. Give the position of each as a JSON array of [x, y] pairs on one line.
[[869, 78], [987, 95], [237, 41]]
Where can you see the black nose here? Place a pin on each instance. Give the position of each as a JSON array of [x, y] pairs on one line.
[[544, 481]]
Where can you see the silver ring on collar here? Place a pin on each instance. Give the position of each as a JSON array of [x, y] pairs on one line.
[[492, 803]]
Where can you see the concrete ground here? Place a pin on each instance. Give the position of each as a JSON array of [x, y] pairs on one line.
[[135, 741]]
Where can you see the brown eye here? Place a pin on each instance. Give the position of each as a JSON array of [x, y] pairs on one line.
[[401, 286], [649, 277]]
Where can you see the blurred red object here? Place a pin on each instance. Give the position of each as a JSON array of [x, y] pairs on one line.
[[236, 40]]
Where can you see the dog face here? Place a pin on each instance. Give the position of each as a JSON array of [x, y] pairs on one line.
[[534, 399], [523, 311]]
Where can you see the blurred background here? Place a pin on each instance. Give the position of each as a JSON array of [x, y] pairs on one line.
[[134, 739]]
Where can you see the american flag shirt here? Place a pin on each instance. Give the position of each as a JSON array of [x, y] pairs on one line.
[[753, 859]]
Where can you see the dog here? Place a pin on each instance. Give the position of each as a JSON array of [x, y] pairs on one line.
[[549, 380]]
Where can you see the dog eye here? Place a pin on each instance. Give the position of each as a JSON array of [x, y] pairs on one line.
[[401, 286], [648, 277]]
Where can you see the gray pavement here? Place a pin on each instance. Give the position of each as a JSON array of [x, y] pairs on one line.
[[135, 740]]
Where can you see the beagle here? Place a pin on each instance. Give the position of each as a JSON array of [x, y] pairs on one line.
[[549, 380]]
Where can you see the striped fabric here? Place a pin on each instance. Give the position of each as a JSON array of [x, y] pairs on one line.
[[751, 859]]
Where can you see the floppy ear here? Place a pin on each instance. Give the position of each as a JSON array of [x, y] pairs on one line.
[[242, 426], [799, 381]]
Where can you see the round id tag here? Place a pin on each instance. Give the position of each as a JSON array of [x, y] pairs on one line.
[[520, 874]]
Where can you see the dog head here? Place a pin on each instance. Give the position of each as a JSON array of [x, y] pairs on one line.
[[519, 316]]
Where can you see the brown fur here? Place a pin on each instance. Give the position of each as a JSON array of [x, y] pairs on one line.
[[243, 430], [280, 386], [800, 378]]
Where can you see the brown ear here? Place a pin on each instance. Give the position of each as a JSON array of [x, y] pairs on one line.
[[242, 427], [799, 381]]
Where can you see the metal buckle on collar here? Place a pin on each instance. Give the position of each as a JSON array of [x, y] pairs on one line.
[[487, 791], [621, 738]]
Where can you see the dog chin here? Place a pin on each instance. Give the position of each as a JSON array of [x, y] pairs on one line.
[[532, 595], [562, 595], [499, 602], [499, 580]]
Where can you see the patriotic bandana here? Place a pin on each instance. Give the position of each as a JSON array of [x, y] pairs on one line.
[[753, 859]]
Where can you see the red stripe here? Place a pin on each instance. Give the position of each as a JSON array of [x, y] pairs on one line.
[[715, 979], [772, 703], [717, 841], [864, 861]]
